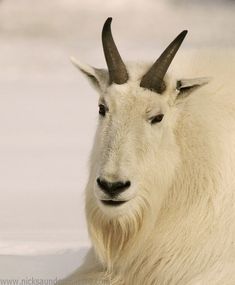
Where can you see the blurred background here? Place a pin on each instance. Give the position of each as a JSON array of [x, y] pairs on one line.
[[48, 112]]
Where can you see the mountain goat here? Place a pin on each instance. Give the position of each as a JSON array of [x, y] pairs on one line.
[[160, 199]]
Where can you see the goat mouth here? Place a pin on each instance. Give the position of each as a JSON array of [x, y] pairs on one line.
[[112, 202]]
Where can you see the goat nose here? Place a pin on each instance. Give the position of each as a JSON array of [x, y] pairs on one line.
[[112, 188]]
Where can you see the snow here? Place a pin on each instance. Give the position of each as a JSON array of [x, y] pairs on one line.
[[46, 267], [48, 112]]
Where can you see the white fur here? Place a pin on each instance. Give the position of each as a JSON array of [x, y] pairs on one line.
[[178, 226]]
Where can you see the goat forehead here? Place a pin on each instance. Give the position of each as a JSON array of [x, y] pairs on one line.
[[131, 98]]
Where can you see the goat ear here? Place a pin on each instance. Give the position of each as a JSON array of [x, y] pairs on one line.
[[186, 86], [97, 77]]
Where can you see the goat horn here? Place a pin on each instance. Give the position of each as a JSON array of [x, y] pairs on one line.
[[153, 79], [117, 69]]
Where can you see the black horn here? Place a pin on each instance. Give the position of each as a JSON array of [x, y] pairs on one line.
[[117, 69], [153, 79]]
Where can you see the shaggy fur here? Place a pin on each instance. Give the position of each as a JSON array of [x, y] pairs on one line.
[[178, 226]]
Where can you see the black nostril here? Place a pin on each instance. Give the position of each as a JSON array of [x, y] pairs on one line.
[[113, 188]]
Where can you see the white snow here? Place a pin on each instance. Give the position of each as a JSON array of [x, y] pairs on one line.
[[45, 267], [48, 112]]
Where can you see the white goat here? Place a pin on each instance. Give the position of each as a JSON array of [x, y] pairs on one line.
[[160, 200]]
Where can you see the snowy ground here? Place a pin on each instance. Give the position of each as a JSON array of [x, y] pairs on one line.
[[46, 267], [48, 112]]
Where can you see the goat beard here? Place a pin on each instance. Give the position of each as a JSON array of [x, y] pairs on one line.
[[114, 237]]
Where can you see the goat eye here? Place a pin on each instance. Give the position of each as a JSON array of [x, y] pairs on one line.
[[102, 110], [156, 119]]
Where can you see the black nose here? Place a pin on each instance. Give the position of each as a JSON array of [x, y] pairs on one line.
[[112, 188]]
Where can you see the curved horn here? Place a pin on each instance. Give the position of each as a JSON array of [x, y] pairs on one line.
[[153, 79], [117, 69]]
